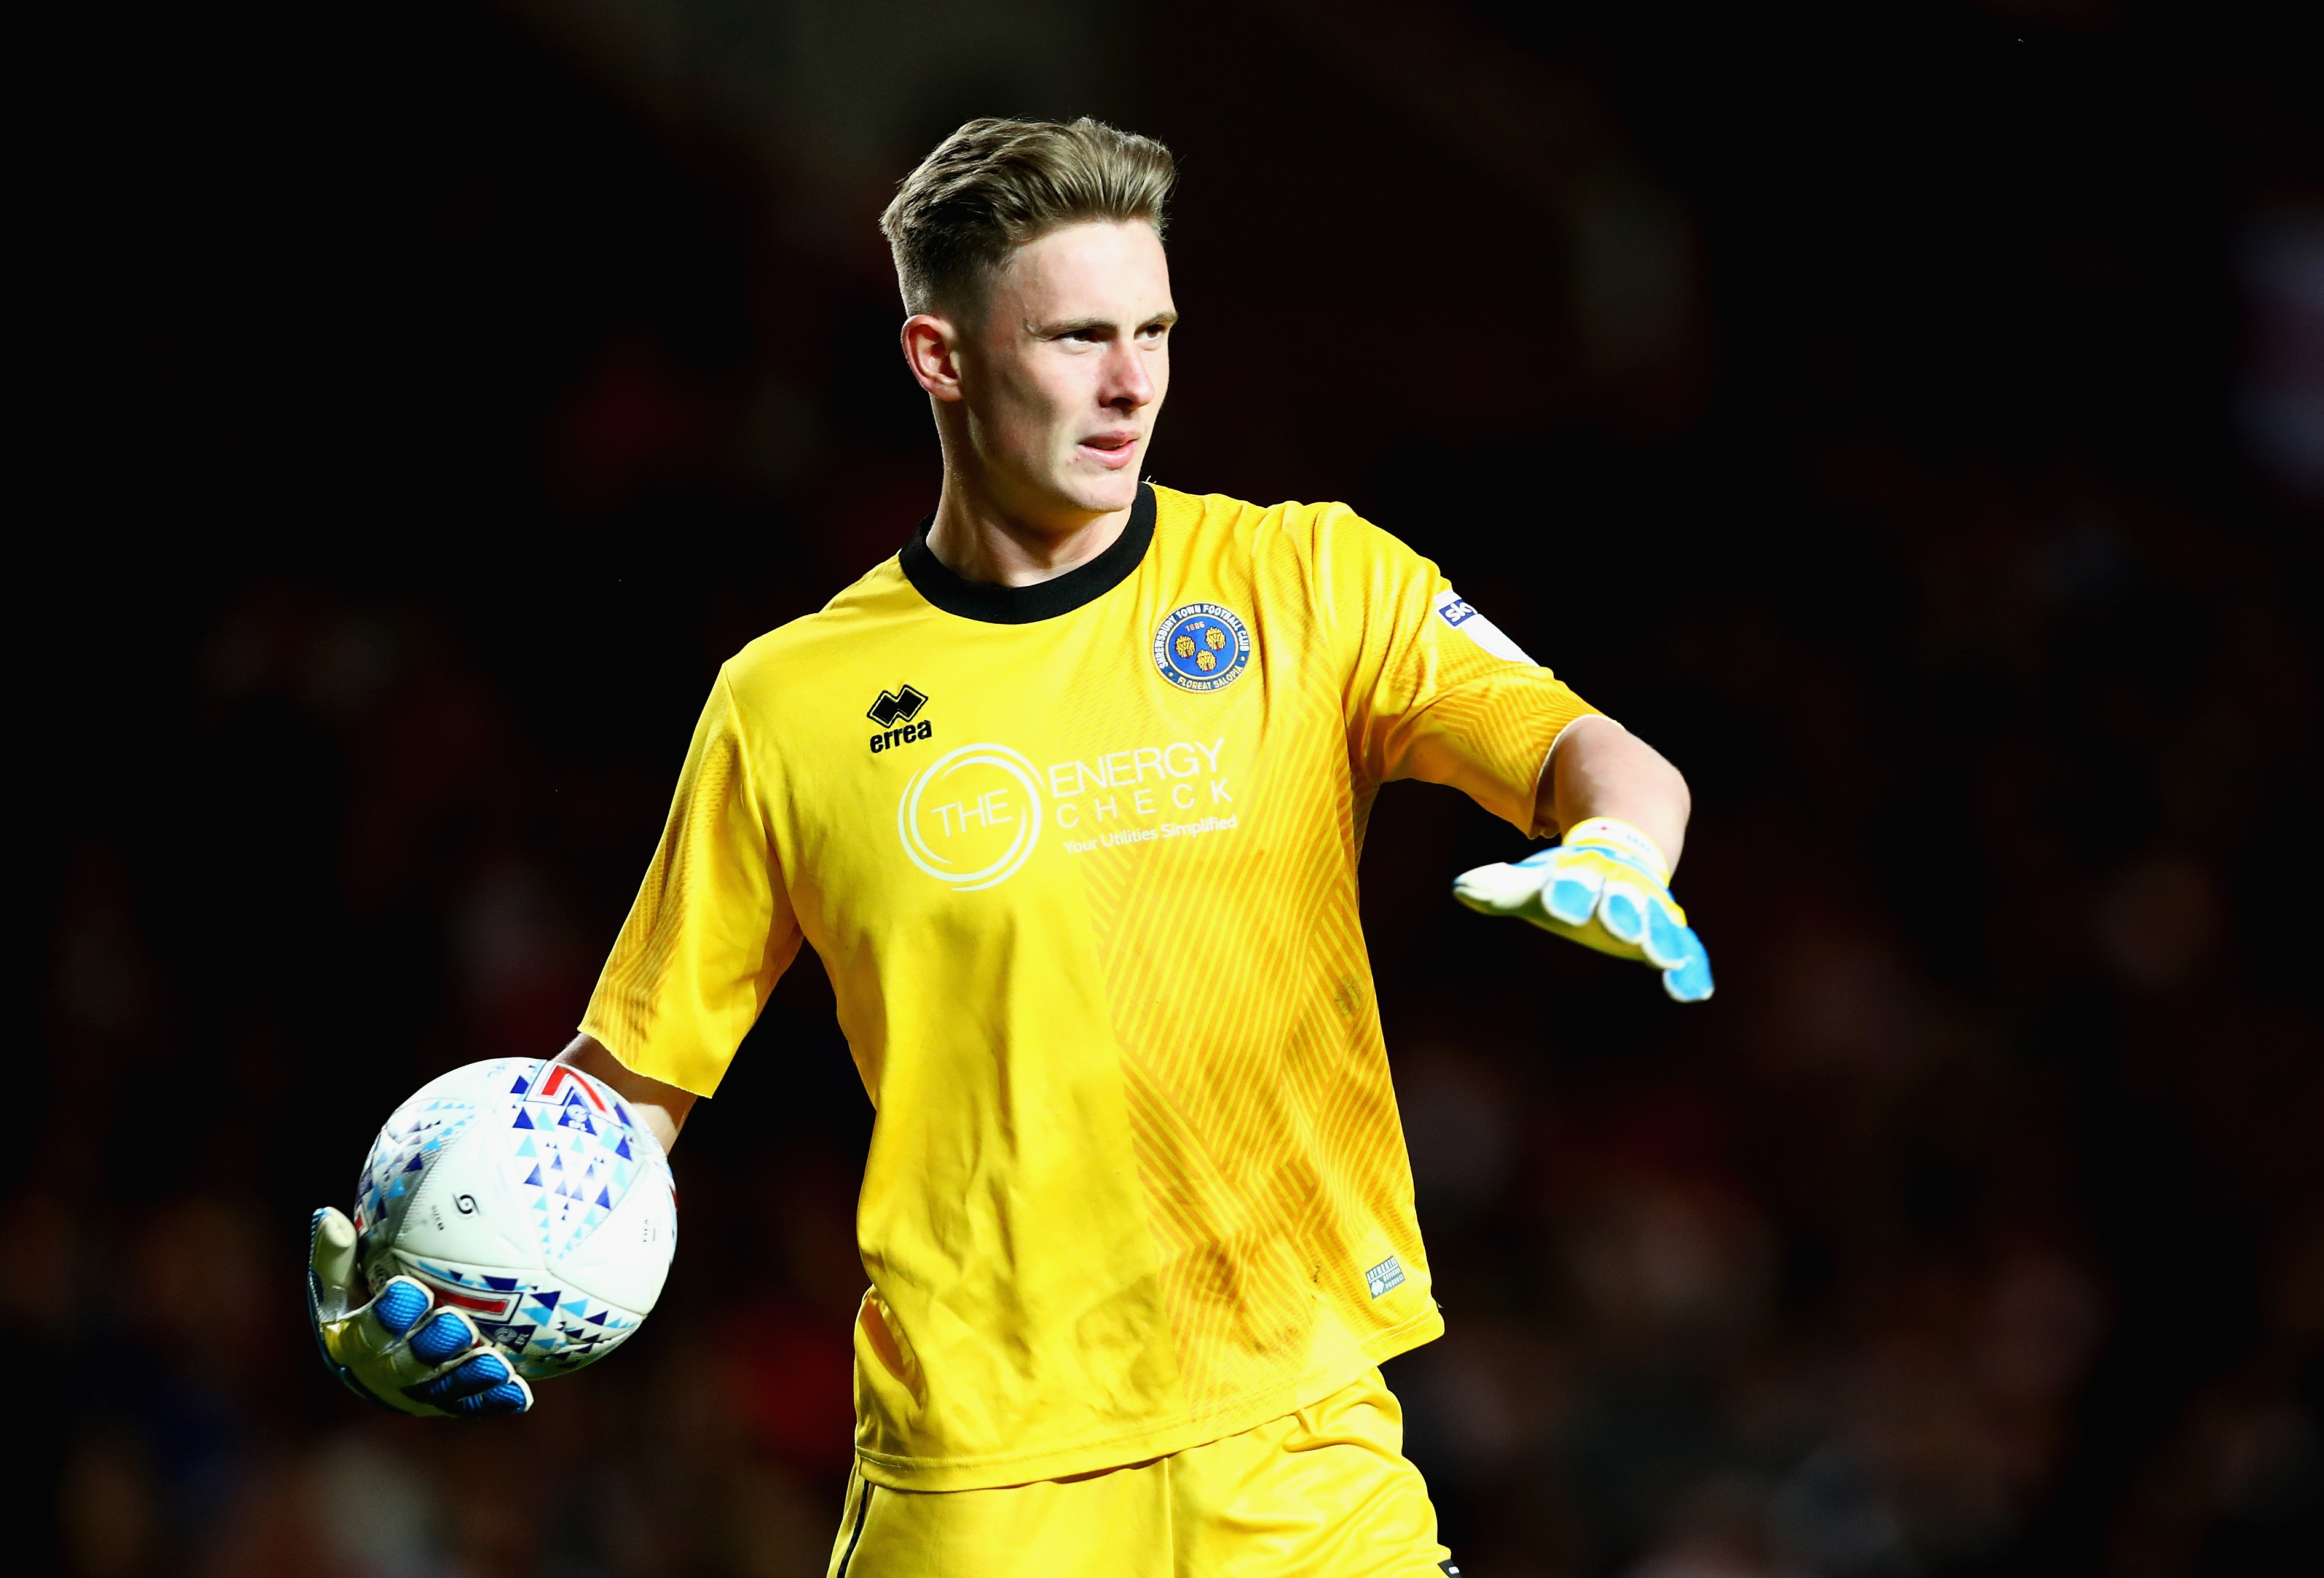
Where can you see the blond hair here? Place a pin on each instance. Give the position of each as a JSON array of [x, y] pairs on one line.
[[995, 185]]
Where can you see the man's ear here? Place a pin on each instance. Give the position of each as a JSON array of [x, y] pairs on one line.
[[932, 351]]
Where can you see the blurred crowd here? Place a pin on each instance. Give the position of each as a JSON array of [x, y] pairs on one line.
[[1917, 439]]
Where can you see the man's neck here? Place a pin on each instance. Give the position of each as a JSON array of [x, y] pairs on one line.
[[976, 540]]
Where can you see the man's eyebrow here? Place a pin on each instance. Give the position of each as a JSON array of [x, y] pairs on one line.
[[1075, 325]]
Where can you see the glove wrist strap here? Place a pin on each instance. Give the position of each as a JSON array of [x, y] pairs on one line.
[[1606, 832]]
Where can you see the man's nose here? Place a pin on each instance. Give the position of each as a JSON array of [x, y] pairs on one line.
[[1128, 383]]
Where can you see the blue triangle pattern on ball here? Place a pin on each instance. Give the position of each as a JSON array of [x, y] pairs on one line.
[[571, 1156], [415, 1131]]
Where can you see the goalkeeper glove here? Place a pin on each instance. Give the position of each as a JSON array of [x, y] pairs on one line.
[[1606, 887], [391, 1349]]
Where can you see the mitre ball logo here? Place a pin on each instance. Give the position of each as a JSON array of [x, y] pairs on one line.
[[1201, 647]]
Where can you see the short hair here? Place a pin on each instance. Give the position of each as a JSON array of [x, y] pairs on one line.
[[995, 185]]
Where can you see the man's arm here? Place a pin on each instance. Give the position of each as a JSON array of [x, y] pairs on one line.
[[1600, 769], [1621, 813], [662, 1106], [392, 1348]]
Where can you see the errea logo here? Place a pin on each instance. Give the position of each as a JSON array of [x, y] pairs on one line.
[[894, 712]]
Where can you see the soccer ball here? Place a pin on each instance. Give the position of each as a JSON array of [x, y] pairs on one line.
[[529, 1195]]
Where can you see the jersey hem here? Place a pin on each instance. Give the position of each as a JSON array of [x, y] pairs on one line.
[[600, 1034], [994, 1470]]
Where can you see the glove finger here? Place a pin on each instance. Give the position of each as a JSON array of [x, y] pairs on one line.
[[446, 1335], [476, 1373], [1668, 942], [1499, 889], [1572, 893], [512, 1396], [331, 1257], [436, 1344], [1622, 911], [1689, 980], [475, 1381], [399, 1306], [378, 1329], [381, 1326], [396, 1342]]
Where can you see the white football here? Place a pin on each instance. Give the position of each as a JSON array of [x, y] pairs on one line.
[[529, 1195]]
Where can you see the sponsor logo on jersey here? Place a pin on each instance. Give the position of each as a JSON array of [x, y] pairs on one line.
[[1462, 614], [1387, 1274], [894, 712], [972, 817], [1201, 647]]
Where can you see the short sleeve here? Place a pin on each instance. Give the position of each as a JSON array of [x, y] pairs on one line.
[[712, 930], [1434, 691]]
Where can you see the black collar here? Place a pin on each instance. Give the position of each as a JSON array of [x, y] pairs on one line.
[[1025, 605]]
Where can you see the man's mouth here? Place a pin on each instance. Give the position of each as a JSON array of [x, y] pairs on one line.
[[1113, 449]]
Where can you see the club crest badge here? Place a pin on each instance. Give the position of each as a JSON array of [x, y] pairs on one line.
[[1201, 647]]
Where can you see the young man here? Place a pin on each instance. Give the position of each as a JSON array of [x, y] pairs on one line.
[[1137, 1214]]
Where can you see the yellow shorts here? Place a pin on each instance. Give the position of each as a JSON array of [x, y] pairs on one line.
[[1326, 1492]]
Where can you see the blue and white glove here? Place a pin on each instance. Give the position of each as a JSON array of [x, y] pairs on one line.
[[391, 1349], [1606, 887]]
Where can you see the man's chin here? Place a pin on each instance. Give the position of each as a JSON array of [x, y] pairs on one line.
[[1104, 491]]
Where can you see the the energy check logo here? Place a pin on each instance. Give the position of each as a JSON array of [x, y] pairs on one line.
[[972, 817], [1201, 647]]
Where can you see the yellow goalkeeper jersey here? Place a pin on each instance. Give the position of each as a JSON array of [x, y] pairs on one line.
[[1080, 859]]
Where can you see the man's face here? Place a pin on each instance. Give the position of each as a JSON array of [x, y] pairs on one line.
[[1063, 378]]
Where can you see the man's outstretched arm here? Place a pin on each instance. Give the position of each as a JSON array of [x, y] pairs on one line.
[[663, 1107], [1621, 811], [1600, 769]]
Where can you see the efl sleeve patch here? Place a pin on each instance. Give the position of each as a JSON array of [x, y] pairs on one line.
[[1464, 616]]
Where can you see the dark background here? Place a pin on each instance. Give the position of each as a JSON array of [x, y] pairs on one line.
[[1912, 422]]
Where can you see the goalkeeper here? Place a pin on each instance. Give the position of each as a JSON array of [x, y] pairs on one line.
[[1068, 796]]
